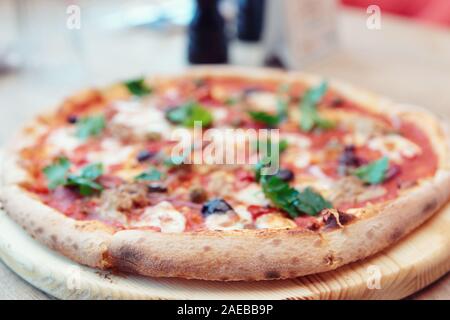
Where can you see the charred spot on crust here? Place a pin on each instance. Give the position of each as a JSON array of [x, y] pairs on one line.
[[272, 274], [329, 259], [295, 260], [397, 234], [128, 259], [430, 206], [331, 222], [54, 238]]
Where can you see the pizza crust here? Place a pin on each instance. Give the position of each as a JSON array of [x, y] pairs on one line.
[[85, 242], [240, 254]]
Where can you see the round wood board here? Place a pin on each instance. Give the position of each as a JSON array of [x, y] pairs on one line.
[[399, 271]]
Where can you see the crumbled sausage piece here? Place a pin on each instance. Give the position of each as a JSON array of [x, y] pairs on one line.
[[198, 195], [126, 196]]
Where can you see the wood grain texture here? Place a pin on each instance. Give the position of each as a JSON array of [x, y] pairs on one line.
[[403, 269]]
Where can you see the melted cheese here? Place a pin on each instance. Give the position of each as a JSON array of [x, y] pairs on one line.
[[63, 140], [108, 212], [274, 221], [252, 195], [361, 128], [224, 221], [219, 114], [262, 101], [298, 154], [296, 141], [244, 215], [112, 152], [163, 216], [395, 147], [142, 120]]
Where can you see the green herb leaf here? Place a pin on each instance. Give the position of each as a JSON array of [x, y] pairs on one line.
[[291, 200], [56, 173], [310, 117], [85, 180], [282, 145], [150, 175], [57, 176], [175, 160], [374, 172], [271, 120], [266, 118], [138, 87], [311, 202], [92, 171], [188, 114], [266, 161], [86, 187], [90, 126]]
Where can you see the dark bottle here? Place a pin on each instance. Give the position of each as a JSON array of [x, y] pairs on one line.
[[250, 20], [207, 36]]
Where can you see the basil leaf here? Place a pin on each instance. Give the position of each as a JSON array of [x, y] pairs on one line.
[[271, 120], [85, 186], [177, 115], [291, 200], [311, 202], [280, 194], [92, 171], [56, 173], [85, 180], [175, 161], [264, 117], [57, 176], [150, 175], [90, 126], [188, 114], [310, 117], [198, 113], [374, 172], [282, 146], [138, 87]]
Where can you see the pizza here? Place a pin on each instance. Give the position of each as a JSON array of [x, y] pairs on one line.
[[318, 174]]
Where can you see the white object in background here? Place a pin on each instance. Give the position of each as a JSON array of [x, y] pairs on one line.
[[301, 31]]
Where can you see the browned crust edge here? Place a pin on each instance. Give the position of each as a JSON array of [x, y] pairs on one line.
[[241, 254]]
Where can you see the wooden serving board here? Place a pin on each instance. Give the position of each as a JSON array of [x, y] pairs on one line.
[[403, 269]]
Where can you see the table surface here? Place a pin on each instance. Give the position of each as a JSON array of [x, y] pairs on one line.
[[405, 61]]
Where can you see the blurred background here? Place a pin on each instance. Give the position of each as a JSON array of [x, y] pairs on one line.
[[49, 48]]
